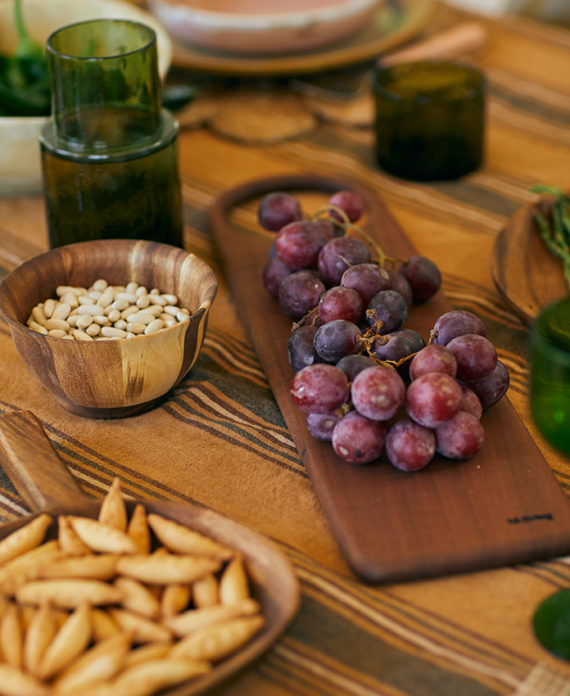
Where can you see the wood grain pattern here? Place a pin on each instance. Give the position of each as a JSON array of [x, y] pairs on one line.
[[528, 275], [501, 507], [110, 379], [40, 476]]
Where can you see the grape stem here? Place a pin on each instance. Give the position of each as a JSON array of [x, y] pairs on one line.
[[349, 227], [312, 314]]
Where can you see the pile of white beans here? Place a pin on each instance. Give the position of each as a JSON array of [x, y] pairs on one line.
[[106, 312]]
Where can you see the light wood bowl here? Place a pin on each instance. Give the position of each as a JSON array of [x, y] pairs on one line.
[[110, 379]]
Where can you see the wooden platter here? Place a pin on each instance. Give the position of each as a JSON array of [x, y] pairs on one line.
[[528, 275], [501, 507], [392, 26], [40, 476]]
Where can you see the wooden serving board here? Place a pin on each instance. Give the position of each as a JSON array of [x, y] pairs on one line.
[[501, 507], [528, 275]]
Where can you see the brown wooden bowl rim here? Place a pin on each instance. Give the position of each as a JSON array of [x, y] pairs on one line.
[[204, 307]]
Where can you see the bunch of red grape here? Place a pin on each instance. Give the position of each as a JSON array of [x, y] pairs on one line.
[[368, 384]]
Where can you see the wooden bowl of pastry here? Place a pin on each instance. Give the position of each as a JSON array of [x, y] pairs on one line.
[[128, 372]]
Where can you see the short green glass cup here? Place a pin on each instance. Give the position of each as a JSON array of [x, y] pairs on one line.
[[109, 157], [550, 374], [430, 119]]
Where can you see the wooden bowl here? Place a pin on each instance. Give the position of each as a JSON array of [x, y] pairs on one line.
[[110, 379]]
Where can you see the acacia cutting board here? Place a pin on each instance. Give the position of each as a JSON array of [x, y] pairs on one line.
[[501, 507]]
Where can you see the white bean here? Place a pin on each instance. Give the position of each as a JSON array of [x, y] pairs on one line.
[[49, 306], [136, 327], [81, 335], [83, 321], [120, 304], [142, 317], [94, 310], [38, 328], [126, 313], [114, 315], [70, 298], [38, 315], [61, 311], [158, 300], [112, 332], [106, 312], [100, 284], [106, 297], [93, 330], [154, 326], [56, 324]]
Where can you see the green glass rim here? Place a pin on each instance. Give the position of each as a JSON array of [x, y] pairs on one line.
[[473, 79], [139, 26]]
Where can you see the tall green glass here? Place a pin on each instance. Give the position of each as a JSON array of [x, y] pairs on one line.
[[109, 151], [550, 374]]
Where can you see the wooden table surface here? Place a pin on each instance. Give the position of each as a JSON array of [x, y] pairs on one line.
[[220, 440]]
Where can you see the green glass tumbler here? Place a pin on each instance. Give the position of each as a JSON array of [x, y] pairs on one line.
[[550, 374], [430, 119], [109, 151]]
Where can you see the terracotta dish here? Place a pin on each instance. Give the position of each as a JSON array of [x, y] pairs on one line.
[[263, 27]]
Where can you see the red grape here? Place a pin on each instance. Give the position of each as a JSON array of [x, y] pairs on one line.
[[367, 279], [401, 284], [300, 347], [300, 292], [338, 254], [457, 322], [278, 209], [460, 437], [298, 244], [470, 402], [357, 439], [340, 303], [410, 446], [378, 392], [273, 274], [390, 308], [399, 345], [424, 277], [476, 356], [351, 365], [335, 339], [433, 399], [319, 388], [493, 386], [349, 202], [321, 425], [433, 358]]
